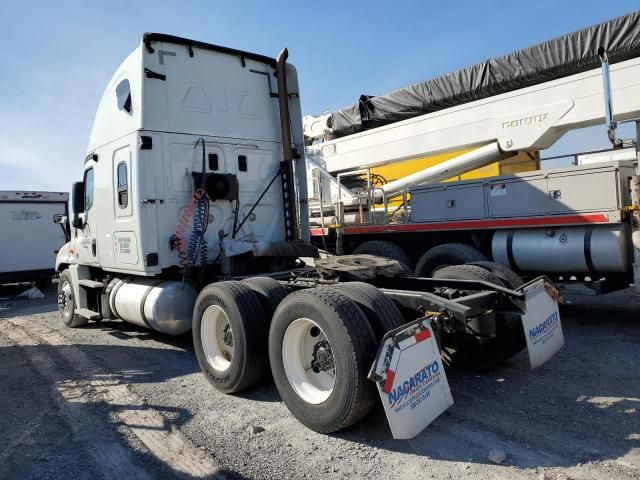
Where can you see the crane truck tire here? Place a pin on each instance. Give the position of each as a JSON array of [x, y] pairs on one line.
[[269, 291], [509, 278], [383, 248], [321, 347], [508, 327], [466, 352], [447, 255], [67, 302], [381, 312], [230, 333]]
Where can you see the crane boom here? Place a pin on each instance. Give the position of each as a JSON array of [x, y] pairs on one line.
[[531, 118], [523, 101]]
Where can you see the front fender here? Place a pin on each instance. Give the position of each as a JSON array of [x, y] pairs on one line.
[[64, 257]]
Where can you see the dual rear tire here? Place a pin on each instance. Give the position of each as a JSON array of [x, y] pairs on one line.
[[465, 351], [319, 344], [229, 336], [321, 347], [446, 255], [440, 256], [345, 322], [231, 328]]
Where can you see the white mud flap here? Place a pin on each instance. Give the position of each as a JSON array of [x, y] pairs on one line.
[[411, 380], [541, 321]]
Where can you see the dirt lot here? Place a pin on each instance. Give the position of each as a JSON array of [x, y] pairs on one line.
[[112, 400]]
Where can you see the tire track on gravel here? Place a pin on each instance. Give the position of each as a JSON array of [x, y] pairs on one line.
[[163, 440], [487, 415], [9, 449], [548, 447], [103, 446]]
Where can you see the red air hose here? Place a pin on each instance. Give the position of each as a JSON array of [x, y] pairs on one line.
[[184, 220]]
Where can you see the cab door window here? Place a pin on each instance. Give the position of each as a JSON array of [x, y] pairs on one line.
[[122, 182], [88, 189], [123, 185]]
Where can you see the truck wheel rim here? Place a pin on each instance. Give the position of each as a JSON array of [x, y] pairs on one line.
[[303, 345], [217, 338], [65, 300]]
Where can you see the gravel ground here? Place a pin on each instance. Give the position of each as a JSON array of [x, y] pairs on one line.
[[113, 400]]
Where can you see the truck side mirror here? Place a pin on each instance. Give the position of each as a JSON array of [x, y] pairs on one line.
[[77, 198], [63, 221], [60, 219], [77, 204]]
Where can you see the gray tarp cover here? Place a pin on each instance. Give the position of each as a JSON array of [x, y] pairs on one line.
[[566, 55]]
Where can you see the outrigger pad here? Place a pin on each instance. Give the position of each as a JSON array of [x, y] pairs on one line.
[[360, 267]]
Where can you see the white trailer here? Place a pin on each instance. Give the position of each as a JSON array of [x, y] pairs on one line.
[[31, 235], [194, 182]]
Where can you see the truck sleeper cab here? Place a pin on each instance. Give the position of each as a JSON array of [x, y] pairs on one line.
[[194, 179]]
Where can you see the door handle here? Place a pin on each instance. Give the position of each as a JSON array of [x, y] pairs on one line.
[[147, 201]]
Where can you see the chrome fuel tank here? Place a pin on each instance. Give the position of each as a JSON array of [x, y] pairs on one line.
[[165, 306], [599, 248]]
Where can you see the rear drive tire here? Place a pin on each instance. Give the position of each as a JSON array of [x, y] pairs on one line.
[[269, 291], [381, 312], [383, 248], [67, 305], [509, 278], [323, 326], [446, 255], [508, 327], [465, 351], [230, 334]]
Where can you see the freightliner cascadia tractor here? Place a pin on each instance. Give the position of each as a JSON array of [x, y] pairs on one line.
[[192, 215]]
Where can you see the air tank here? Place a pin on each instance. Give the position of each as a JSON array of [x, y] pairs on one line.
[[162, 305], [589, 249]]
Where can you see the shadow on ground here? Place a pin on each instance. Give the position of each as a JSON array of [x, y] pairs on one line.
[[12, 304], [38, 438], [583, 405]]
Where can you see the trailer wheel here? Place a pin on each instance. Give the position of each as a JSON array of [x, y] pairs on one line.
[[465, 351], [321, 347], [381, 312], [67, 302], [383, 248], [447, 255], [230, 334], [269, 291], [508, 327]]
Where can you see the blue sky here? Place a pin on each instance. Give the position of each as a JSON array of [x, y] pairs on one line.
[[59, 55]]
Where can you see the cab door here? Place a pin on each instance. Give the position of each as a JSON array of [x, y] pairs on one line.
[[125, 234], [87, 236]]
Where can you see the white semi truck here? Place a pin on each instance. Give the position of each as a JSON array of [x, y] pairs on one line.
[[576, 224], [193, 214], [30, 235]]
